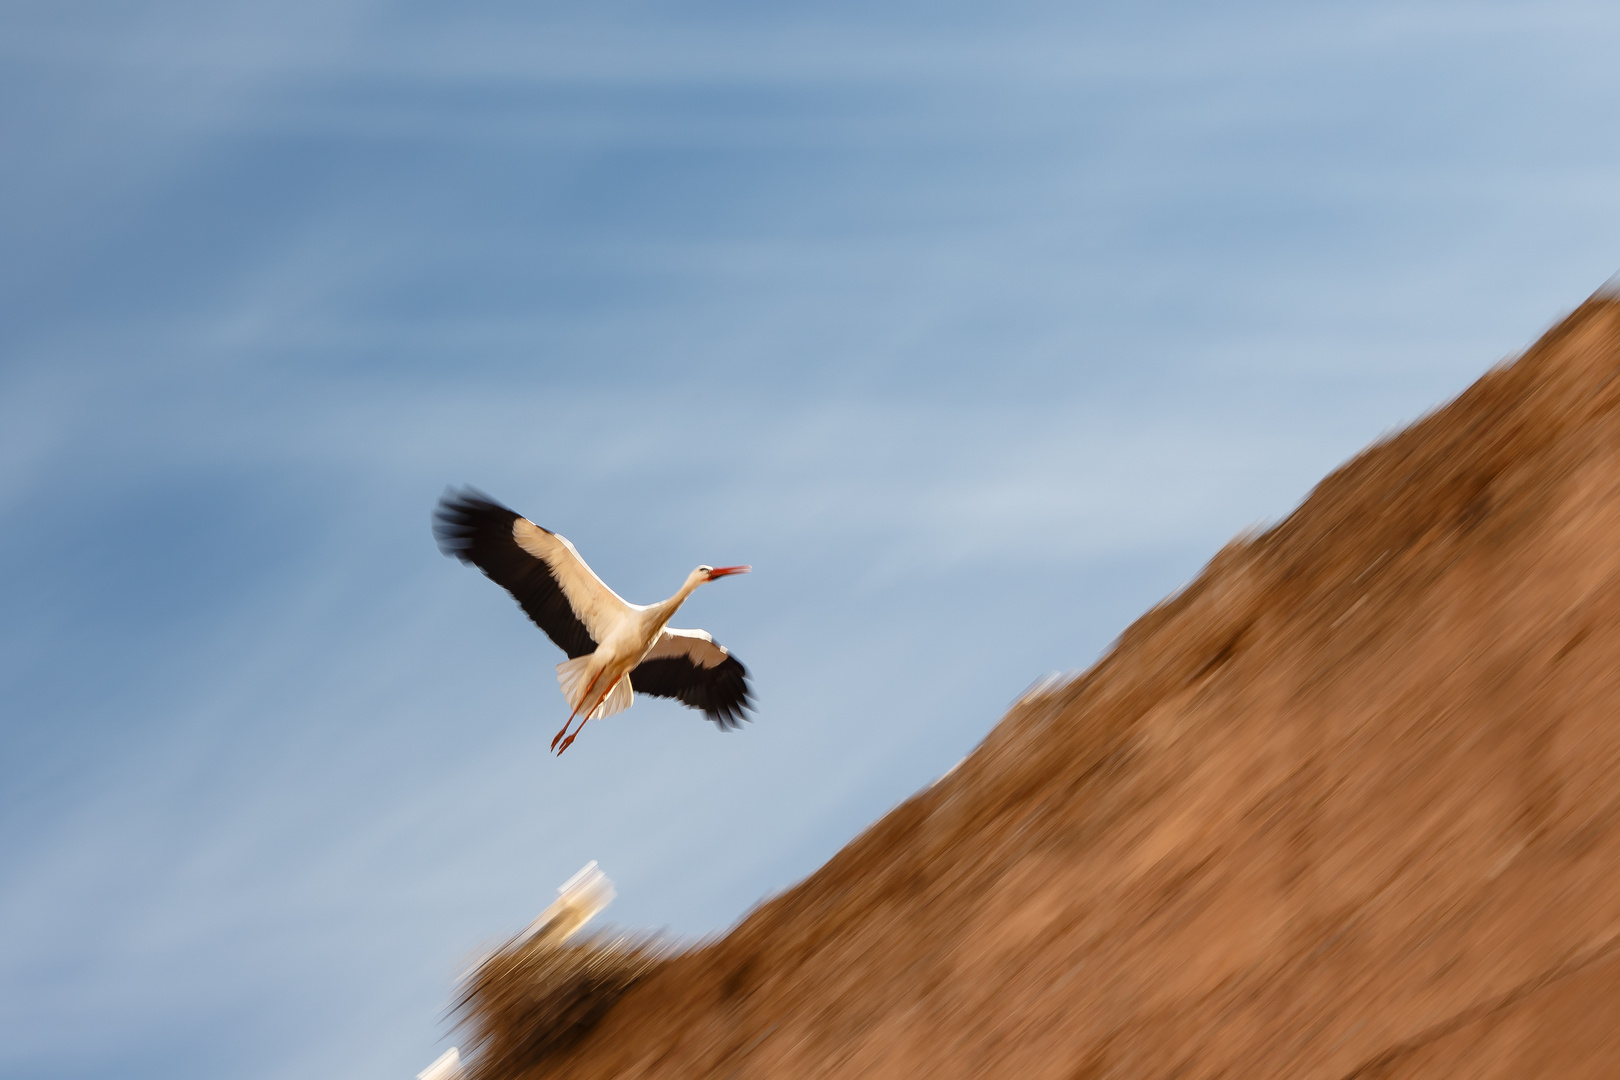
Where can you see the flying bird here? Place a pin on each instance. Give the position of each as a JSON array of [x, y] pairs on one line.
[[614, 647]]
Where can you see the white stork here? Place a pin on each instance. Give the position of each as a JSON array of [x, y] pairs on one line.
[[614, 647]]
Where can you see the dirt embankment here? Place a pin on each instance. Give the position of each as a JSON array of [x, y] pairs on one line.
[[1348, 806]]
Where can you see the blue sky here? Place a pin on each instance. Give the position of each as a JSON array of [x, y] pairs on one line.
[[976, 329]]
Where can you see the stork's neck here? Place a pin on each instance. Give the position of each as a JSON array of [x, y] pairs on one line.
[[666, 610]]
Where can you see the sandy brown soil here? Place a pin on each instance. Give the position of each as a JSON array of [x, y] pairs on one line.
[[1348, 806]]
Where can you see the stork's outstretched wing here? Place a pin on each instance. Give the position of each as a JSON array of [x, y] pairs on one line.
[[540, 569], [696, 670]]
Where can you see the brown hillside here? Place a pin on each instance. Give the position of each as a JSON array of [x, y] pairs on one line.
[[1348, 806]]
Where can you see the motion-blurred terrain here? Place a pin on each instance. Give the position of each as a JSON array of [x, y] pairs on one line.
[[1347, 806]]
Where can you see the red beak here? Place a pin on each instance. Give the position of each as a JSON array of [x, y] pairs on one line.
[[722, 571]]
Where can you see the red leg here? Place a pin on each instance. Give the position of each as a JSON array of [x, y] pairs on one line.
[[582, 697], [582, 723]]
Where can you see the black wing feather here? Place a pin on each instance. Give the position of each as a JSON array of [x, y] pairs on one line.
[[475, 529], [720, 691]]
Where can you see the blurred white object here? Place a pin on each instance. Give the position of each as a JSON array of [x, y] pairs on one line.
[[447, 1066], [578, 900], [1046, 684]]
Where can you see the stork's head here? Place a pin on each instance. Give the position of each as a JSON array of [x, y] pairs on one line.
[[705, 574]]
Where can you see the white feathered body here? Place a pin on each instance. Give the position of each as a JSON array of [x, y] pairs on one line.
[[634, 637]]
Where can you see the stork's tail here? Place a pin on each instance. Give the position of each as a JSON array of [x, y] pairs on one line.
[[575, 679], [573, 675]]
